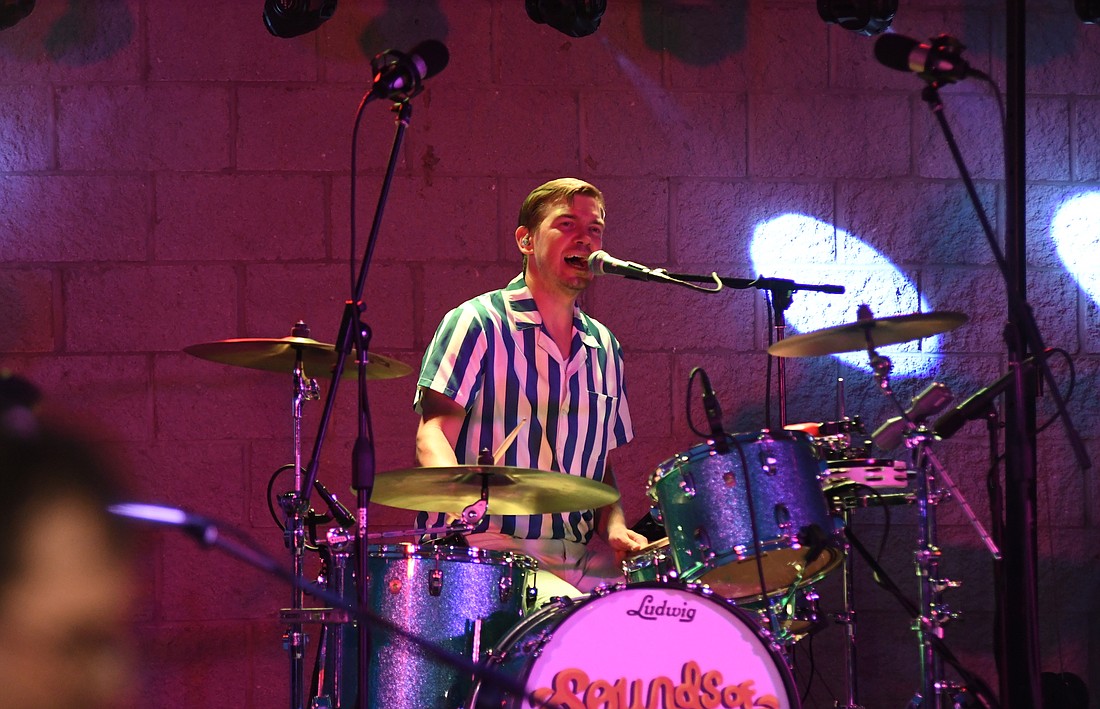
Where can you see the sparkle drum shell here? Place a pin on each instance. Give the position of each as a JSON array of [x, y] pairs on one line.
[[461, 599], [705, 505]]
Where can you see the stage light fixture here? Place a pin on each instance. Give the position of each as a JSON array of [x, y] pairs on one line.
[[12, 12], [866, 17], [1088, 10], [290, 18], [576, 18]]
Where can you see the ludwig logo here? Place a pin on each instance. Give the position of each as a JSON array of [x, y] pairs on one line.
[[648, 610]]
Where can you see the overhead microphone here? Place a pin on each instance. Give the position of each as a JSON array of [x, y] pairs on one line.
[[399, 77], [601, 263], [976, 406], [940, 61], [931, 401]]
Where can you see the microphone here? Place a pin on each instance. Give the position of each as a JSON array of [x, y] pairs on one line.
[[601, 263], [976, 406], [202, 528], [399, 77], [290, 18], [938, 61], [714, 416], [932, 400]]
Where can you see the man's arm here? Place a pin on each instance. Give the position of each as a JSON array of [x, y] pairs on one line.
[[440, 422], [611, 522]]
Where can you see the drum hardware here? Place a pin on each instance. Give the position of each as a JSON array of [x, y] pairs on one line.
[[933, 613]]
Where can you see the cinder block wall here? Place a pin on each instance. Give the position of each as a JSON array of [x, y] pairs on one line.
[[170, 174]]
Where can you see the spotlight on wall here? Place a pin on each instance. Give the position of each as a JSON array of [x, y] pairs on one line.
[[1088, 10], [290, 18], [867, 17], [12, 12], [576, 18]]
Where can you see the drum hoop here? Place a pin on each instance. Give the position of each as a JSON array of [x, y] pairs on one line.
[[472, 555]]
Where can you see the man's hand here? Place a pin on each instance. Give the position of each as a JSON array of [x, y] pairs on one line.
[[624, 540]]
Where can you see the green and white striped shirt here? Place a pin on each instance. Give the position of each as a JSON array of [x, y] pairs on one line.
[[494, 358]]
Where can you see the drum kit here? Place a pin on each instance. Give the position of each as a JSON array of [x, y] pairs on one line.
[[709, 612]]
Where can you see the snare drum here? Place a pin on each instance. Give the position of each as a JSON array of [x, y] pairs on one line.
[[461, 599], [703, 502], [674, 645]]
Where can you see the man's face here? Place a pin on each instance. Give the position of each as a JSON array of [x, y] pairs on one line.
[[64, 618], [560, 245]]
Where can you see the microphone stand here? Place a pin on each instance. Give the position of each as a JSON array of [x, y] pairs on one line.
[[782, 291], [1020, 598], [355, 333]]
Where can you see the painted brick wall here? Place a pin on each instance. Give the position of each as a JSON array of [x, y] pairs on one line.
[[170, 174]]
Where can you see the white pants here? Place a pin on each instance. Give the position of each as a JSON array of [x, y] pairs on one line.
[[565, 568]]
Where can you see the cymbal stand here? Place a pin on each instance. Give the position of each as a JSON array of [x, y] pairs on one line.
[[933, 613], [295, 515]]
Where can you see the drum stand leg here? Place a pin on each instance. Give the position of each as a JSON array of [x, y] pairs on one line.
[[848, 620]]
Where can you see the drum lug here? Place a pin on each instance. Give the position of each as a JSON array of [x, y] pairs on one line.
[[687, 484], [505, 588], [783, 520], [435, 582], [532, 596]]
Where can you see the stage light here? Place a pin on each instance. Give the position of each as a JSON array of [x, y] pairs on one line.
[[867, 17], [576, 18], [12, 12], [1088, 10], [290, 18]]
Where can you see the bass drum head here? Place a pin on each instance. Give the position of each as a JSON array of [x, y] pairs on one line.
[[649, 644]]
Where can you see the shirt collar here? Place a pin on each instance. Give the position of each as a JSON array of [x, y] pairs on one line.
[[524, 312]]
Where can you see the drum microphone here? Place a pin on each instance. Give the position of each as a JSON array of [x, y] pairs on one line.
[[714, 414], [976, 406], [601, 263], [928, 403]]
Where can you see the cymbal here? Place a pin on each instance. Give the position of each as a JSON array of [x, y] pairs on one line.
[[853, 336], [512, 491], [279, 355]]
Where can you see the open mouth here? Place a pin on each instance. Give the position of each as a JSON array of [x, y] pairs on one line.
[[577, 261]]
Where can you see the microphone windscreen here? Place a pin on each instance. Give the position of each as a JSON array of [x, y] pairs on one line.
[[434, 54], [893, 50]]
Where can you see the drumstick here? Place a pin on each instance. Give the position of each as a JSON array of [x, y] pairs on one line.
[[499, 453]]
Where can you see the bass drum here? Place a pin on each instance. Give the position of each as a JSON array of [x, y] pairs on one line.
[[650, 644]]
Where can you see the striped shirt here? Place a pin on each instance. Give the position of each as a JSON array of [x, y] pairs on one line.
[[493, 357]]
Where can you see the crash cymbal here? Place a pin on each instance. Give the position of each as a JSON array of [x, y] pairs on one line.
[[512, 491], [853, 336], [279, 355]]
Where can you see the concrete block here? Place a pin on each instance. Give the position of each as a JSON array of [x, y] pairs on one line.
[[107, 394], [917, 223], [444, 284], [501, 132], [224, 43], [824, 135], [26, 122], [1086, 145], [28, 306], [672, 134], [76, 43], [463, 218], [1062, 53], [49, 218], [130, 308], [299, 128], [199, 400], [184, 664], [152, 127], [714, 222], [261, 217]]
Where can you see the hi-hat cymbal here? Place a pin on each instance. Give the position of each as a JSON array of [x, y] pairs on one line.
[[512, 491], [853, 336], [279, 355]]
